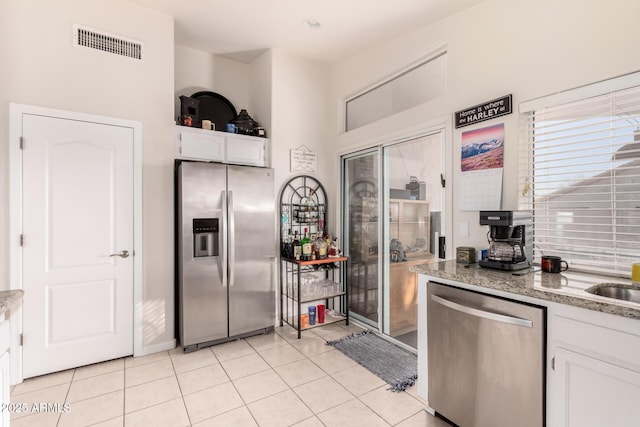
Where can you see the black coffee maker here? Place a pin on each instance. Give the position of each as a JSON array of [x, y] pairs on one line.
[[510, 239]]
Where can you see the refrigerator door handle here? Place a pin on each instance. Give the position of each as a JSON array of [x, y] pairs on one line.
[[223, 197], [232, 241], [482, 313]]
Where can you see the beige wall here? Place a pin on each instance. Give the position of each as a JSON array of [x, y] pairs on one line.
[[528, 49], [300, 116], [43, 68]]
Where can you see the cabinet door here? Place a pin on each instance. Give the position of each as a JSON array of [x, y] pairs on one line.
[[5, 388], [243, 150], [199, 144], [590, 392]]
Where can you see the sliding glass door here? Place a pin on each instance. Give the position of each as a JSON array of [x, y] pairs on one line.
[[362, 230], [392, 217], [412, 199]]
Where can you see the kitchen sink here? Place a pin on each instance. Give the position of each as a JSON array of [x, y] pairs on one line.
[[617, 291]]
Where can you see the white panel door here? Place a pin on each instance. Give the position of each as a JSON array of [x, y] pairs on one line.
[[78, 243]]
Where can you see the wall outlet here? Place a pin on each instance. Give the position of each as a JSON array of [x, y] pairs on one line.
[[464, 229]]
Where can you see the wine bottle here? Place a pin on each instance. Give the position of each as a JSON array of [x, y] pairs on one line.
[[288, 246], [311, 205], [297, 246], [321, 247], [306, 247]]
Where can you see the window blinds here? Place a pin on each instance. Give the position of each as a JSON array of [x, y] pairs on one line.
[[580, 175]]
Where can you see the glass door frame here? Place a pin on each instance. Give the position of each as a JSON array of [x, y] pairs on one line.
[[378, 145], [385, 290], [345, 226]]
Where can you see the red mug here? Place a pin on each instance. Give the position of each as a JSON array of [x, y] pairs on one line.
[[553, 264], [320, 310]]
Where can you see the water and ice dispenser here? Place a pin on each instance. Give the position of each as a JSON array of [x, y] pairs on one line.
[[205, 237]]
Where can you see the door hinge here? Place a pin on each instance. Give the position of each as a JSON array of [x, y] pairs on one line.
[[443, 181], [22, 240], [22, 142], [553, 363]]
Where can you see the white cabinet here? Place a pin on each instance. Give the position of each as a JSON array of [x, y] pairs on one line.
[[201, 144], [246, 150], [594, 371], [5, 372]]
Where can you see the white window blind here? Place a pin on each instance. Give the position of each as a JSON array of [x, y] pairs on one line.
[[580, 175]]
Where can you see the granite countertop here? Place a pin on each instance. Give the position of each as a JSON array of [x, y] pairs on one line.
[[9, 298], [564, 288]]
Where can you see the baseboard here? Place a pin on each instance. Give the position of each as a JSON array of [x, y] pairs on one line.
[[155, 348]]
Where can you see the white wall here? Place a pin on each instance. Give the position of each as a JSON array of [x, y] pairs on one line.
[[528, 49], [43, 68], [300, 116], [260, 91]]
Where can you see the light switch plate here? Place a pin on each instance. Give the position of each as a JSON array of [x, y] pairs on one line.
[[464, 229]]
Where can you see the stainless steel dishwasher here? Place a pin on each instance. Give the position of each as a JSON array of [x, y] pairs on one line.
[[486, 358]]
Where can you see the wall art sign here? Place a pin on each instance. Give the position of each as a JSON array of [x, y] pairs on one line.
[[486, 111], [303, 160]]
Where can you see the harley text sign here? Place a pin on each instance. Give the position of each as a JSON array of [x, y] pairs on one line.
[[487, 111]]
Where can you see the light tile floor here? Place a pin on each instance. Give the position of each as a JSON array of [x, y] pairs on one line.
[[268, 380]]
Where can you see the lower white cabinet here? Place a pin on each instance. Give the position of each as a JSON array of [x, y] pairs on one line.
[[5, 372], [5, 389], [594, 372], [201, 144]]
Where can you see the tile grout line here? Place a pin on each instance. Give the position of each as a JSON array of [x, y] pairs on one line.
[[175, 374], [315, 415]]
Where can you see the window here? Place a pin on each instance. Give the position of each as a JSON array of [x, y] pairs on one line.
[[581, 177], [421, 83]]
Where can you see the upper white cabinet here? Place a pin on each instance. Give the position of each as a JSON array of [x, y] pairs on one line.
[[201, 144], [246, 150]]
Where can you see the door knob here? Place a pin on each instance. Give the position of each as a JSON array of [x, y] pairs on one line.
[[121, 254]]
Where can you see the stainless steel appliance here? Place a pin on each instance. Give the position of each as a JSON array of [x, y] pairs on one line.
[[510, 239], [226, 248], [486, 359]]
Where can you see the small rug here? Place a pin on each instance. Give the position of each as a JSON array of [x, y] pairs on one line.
[[397, 366]]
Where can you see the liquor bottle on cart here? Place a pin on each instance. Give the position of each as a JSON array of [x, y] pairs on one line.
[[306, 247], [321, 247], [287, 246], [297, 246]]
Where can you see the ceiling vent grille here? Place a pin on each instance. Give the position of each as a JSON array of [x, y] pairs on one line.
[[105, 42]]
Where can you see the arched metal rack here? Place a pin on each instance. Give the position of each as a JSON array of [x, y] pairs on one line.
[[303, 205], [303, 208]]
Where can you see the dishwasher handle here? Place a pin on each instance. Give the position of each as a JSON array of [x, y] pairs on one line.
[[482, 313]]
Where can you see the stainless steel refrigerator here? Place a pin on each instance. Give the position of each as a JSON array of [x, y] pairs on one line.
[[226, 249]]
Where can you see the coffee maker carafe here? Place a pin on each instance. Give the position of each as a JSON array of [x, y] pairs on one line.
[[510, 239]]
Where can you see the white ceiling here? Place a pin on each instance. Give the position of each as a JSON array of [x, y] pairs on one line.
[[243, 28]]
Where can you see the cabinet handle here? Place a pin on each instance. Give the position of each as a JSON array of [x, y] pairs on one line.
[[553, 363]]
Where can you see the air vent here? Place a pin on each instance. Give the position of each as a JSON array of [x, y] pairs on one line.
[[105, 42]]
